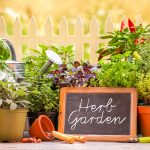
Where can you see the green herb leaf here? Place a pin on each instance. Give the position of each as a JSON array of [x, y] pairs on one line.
[[8, 101], [1, 101], [13, 106]]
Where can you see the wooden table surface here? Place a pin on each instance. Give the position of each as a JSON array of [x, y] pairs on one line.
[[59, 145]]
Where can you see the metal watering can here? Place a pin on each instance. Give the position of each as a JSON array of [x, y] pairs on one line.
[[16, 67]]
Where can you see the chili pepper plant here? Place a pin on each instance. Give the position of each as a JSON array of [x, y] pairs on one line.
[[127, 39]]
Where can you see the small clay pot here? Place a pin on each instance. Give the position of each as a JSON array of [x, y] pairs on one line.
[[144, 119], [40, 127], [52, 115]]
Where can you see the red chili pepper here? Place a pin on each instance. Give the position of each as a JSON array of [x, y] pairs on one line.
[[30, 140], [136, 41], [38, 141], [131, 26], [24, 140], [122, 25], [142, 41]]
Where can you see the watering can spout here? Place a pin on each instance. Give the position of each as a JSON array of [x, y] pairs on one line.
[[53, 58]]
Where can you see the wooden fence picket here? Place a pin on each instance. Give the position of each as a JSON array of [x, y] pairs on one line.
[[2, 27], [63, 31], [139, 20], [109, 27], [47, 39], [79, 54], [17, 34], [94, 40]]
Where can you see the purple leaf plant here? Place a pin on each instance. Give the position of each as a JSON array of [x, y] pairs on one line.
[[78, 75]]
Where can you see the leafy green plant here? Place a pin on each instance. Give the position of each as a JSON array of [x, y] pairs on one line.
[[145, 57], [125, 40], [13, 95], [129, 63], [4, 50], [4, 54], [33, 64], [3, 65], [143, 87], [117, 73], [66, 53], [44, 96]]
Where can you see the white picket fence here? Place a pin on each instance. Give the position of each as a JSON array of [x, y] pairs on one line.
[[78, 39]]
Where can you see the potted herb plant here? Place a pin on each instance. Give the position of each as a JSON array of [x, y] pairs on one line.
[[13, 110], [124, 47], [44, 95], [128, 66], [13, 99], [143, 88], [44, 99]]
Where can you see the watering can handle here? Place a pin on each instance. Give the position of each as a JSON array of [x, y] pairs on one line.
[[12, 50]]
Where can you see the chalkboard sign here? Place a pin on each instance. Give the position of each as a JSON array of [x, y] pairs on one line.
[[102, 114]]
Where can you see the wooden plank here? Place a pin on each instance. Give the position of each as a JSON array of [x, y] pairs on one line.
[[79, 49], [61, 145], [2, 27], [63, 32], [139, 20], [94, 40], [48, 35], [109, 27], [32, 40], [17, 40]]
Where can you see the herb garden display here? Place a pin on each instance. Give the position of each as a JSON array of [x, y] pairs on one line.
[[128, 66]]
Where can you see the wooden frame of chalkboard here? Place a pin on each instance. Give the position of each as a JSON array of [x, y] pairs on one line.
[[100, 114]]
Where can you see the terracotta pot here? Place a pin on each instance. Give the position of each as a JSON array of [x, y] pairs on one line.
[[52, 115], [144, 119], [40, 127], [12, 124]]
